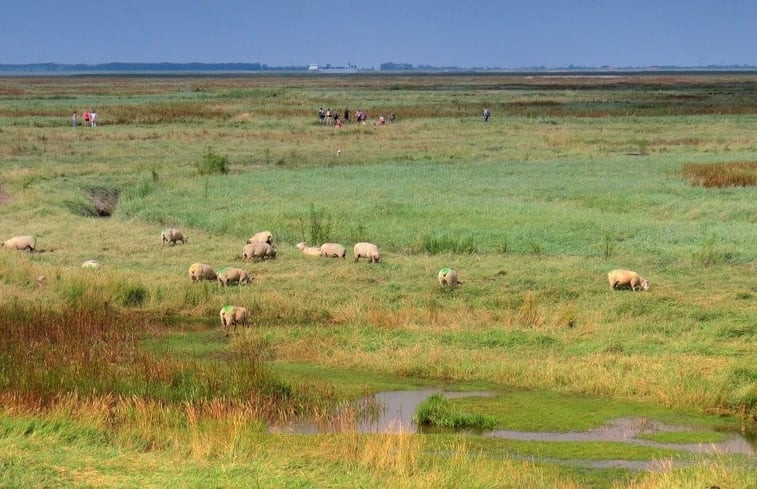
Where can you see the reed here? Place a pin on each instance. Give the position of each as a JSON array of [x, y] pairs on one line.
[[735, 174]]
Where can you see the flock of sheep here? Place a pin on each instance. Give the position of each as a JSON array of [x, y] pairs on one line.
[[261, 247]]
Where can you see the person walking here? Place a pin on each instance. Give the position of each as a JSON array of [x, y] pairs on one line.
[[487, 114], [93, 118], [73, 120]]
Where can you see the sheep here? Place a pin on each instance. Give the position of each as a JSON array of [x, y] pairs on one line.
[[309, 250], [201, 271], [90, 264], [261, 237], [21, 243], [233, 315], [448, 277], [334, 250], [172, 235], [367, 250], [261, 251], [626, 278], [232, 275]]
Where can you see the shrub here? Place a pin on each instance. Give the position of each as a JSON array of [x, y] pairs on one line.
[[213, 164], [133, 296], [441, 244], [318, 224], [104, 199]]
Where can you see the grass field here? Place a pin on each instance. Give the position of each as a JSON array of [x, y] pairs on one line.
[[121, 375]]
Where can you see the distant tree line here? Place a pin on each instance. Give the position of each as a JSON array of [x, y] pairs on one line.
[[388, 66]]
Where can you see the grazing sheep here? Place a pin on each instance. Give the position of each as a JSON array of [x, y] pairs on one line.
[[172, 235], [309, 250], [333, 250], [261, 237], [448, 277], [233, 315], [201, 271], [90, 264], [367, 250], [21, 243], [232, 275], [260, 251], [625, 279]]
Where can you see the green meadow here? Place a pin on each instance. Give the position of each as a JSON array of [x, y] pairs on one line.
[[122, 375]]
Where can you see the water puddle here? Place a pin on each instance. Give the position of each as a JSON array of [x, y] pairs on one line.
[[627, 430], [394, 416], [393, 411]]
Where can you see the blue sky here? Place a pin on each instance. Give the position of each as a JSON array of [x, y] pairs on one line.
[[473, 33]]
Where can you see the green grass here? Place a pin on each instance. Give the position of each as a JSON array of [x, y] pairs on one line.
[[551, 411], [435, 411], [570, 178], [684, 437]]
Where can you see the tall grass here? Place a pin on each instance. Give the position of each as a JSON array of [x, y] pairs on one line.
[[88, 351], [736, 174], [435, 411]]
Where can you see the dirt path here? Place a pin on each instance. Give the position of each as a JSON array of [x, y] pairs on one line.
[[4, 197]]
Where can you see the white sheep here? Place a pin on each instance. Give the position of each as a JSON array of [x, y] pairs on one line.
[[626, 278], [233, 315], [201, 271], [90, 264], [333, 250], [172, 235], [232, 275], [448, 277], [309, 250], [367, 250], [21, 243], [261, 237], [260, 251]]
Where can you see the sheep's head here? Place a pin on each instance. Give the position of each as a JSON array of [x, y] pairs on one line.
[[302, 245], [644, 284]]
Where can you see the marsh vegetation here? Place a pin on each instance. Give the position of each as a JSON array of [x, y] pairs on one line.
[[121, 375]]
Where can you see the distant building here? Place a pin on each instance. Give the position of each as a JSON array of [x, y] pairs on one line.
[[396, 66], [348, 68]]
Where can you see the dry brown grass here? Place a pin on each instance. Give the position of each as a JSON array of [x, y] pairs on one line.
[[731, 174]]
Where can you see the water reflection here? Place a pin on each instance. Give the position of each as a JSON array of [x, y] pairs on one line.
[[395, 416], [395, 410]]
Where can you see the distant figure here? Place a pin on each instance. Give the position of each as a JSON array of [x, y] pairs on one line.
[[321, 115], [392, 117], [85, 116], [487, 114], [337, 121], [73, 120], [346, 115], [329, 117], [93, 118], [381, 121]]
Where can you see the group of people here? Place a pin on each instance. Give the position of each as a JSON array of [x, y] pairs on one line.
[[330, 117], [89, 118]]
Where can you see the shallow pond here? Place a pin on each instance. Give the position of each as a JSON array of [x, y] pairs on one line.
[[396, 409]]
